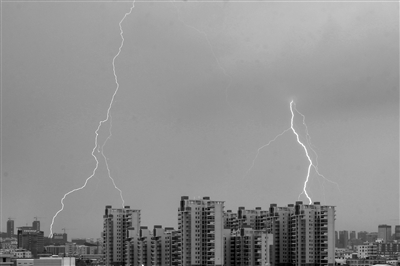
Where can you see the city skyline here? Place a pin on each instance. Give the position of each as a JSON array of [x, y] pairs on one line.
[[202, 88]]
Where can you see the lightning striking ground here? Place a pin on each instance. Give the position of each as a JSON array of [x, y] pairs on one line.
[[100, 149]]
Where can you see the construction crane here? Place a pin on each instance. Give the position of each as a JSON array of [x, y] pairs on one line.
[[36, 217]]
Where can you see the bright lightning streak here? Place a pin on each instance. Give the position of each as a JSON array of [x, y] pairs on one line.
[[305, 150], [100, 149], [106, 161], [315, 166], [315, 153]]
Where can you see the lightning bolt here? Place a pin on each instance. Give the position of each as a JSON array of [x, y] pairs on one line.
[[100, 149], [315, 166], [305, 150], [311, 164]]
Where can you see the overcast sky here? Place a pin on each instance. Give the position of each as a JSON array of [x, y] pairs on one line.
[[202, 87]]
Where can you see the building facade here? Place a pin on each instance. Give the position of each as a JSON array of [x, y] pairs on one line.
[[21, 253], [201, 224], [353, 235], [59, 239], [30, 239], [343, 239], [247, 246], [385, 232], [116, 222], [384, 249], [397, 233], [303, 234], [148, 248], [372, 237], [10, 228], [56, 250], [366, 251], [362, 235], [36, 225]]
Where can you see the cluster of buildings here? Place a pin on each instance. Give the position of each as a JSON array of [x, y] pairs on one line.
[[297, 234], [369, 248], [29, 245], [207, 234], [346, 239]]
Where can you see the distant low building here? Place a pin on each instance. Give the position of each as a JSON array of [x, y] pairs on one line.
[[55, 250], [21, 253], [79, 241], [59, 239], [9, 243], [366, 251], [6, 260], [70, 249], [365, 262], [50, 261], [388, 248]]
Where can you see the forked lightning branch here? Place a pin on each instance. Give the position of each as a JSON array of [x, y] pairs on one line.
[[97, 147]]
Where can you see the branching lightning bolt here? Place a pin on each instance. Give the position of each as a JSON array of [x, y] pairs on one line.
[[305, 150], [315, 166], [262, 147], [100, 149], [311, 164]]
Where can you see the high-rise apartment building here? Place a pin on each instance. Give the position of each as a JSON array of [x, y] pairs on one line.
[[31, 239], [148, 248], [362, 235], [231, 220], [253, 218], [336, 239], [116, 222], [303, 234], [176, 248], [372, 237], [366, 251], [10, 228], [36, 225], [353, 235], [245, 237], [385, 232], [343, 239], [247, 246], [397, 232], [278, 224], [201, 224]]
